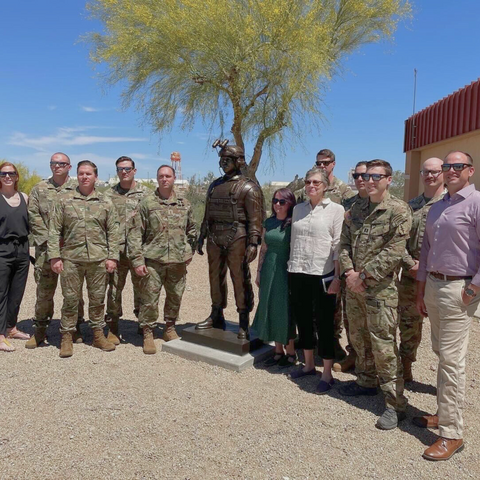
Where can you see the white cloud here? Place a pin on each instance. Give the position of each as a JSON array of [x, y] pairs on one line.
[[181, 143], [89, 109], [52, 107], [67, 136]]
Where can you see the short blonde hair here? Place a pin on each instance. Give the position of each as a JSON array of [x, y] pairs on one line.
[[318, 171]]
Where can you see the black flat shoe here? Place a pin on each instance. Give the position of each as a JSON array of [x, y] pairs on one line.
[[275, 360], [300, 373], [288, 361]]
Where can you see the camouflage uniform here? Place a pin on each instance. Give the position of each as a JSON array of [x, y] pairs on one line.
[[163, 238], [89, 228], [375, 244], [40, 207], [411, 322], [338, 192], [126, 203]]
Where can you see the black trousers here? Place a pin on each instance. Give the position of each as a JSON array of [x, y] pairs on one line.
[[313, 309], [13, 279]]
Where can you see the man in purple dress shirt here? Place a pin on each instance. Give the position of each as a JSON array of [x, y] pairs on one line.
[[448, 286]]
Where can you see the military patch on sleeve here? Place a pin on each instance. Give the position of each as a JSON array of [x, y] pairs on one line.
[[366, 229]]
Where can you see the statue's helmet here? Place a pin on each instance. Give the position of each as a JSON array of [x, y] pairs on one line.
[[235, 152]]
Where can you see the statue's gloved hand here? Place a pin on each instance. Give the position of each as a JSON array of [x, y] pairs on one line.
[[200, 245], [251, 253]]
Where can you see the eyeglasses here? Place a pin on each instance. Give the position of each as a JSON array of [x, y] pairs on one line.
[[10, 174], [457, 167], [315, 183], [281, 201], [356, 176], [376, 177], [59, 164], [433, 173], [124, 169], [323, 162]]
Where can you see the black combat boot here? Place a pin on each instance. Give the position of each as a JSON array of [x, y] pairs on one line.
[[215, 320], [243, 333]]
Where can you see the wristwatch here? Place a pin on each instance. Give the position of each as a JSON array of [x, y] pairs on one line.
[[469, 292], [363, 276]]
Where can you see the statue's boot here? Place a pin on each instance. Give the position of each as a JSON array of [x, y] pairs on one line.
[[243, 332], [215, 320]]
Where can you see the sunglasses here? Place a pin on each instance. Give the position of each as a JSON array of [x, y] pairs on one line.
[[10, 174], [59, 164], [124, 169], [281, 201], [315, 183], [356, 176], [376, 177], [457, 167], [323, 162], [433, 173]]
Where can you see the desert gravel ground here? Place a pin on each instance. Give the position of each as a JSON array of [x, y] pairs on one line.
[[126, 415]]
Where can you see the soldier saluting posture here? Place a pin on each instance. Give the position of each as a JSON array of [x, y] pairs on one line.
[[232, 226]]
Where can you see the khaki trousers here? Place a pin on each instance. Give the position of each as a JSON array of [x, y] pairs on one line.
[[450, 320]]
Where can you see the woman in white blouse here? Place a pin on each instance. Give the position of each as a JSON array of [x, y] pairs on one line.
[[314, 275]]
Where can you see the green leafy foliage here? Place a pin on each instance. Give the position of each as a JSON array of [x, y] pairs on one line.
[[259, 67]]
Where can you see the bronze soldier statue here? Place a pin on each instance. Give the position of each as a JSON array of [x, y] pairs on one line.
[[232, 226]]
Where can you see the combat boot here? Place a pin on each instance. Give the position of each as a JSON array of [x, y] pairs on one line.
[[66, 347], [77, 336], [149, 347], [243, 333], [169, 332], [37, 338], [99, 340], [113, 336], [407, 370], [347, 364], [215, 320]]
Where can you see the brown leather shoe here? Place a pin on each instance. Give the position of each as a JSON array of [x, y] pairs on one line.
[[427, 421], [443, 449]]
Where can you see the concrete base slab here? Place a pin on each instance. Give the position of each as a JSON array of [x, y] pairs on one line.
[[225, 340], [212, 356]]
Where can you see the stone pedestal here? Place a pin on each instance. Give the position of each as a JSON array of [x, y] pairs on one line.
[[220, 347]]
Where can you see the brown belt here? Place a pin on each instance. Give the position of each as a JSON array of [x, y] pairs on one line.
[[447, 278]]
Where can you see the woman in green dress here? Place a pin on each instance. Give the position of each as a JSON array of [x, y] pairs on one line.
[[272, 320]]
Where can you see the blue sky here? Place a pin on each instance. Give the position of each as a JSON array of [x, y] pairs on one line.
[[51, 99]]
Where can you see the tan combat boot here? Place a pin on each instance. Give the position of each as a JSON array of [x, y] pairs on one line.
[[149, 347], [99, 341], [169, 332], [348, 364], [407, 370], [66, 347], [113, 336], [37, 338]]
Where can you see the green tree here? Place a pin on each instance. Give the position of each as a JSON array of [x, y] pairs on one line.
[[258, 66], [397, 187], [196, 194]]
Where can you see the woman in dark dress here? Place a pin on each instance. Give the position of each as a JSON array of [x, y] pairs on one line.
[[14, 254], [272, 320]]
